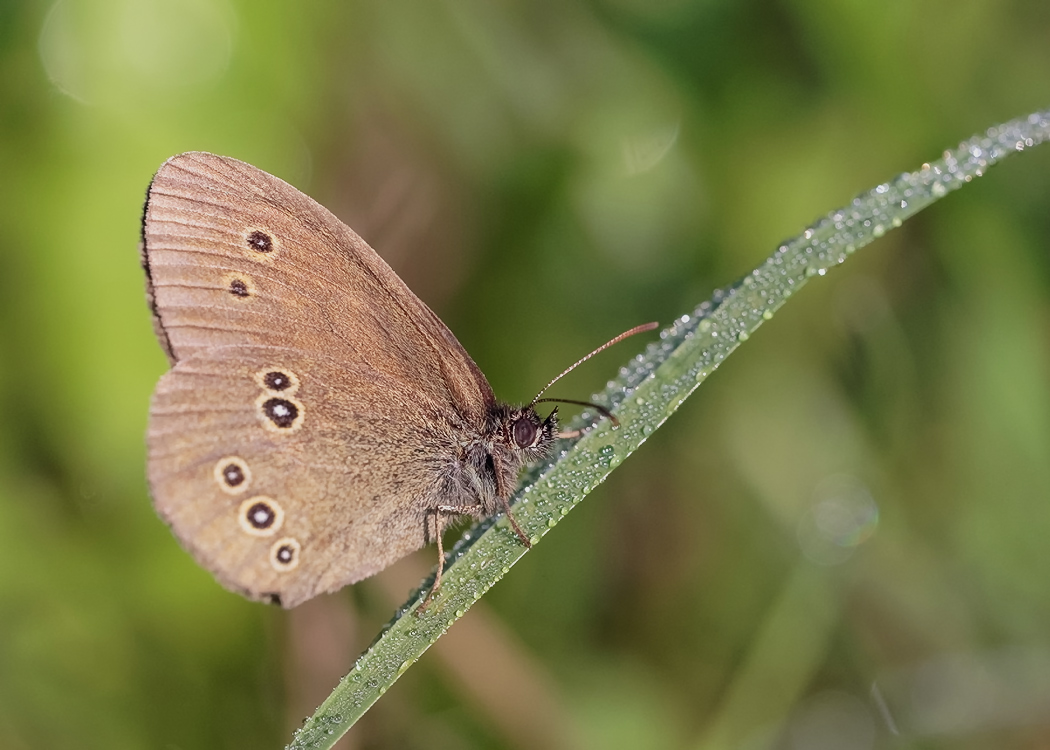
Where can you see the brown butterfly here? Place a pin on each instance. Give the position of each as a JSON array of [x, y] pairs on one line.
[[319, 421]]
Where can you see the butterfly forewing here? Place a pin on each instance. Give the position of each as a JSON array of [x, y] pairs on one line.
[[236, 256]]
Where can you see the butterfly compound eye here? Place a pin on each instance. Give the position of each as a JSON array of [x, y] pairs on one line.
[[524, 433]]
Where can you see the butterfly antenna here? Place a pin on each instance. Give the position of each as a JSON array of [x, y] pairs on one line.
[[602, 348], [597, 407]]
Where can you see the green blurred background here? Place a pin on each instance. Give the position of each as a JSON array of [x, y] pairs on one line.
[[839, 543]]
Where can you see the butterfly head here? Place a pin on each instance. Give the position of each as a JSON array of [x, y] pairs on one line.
[[525, 431]]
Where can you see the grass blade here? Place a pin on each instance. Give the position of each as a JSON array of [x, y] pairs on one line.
[[648, 390]]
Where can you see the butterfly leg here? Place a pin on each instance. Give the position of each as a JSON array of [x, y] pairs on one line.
[[439, 513], [502, 492], [514, 524]]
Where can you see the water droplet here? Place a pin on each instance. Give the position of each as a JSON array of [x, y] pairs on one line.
[[460, 612], [403, 668], [742, 336], [767, 314], [551, 523]]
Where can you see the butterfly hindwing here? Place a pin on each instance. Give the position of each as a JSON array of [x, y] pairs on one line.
[[252, 447]]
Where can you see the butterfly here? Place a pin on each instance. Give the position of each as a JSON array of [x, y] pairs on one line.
[[319, 421]]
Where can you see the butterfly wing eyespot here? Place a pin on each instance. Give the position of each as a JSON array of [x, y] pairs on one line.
[[285, 553], [277, 380], [233, 475], [260, 241], [260, 516], [239, 286], [281, 415]]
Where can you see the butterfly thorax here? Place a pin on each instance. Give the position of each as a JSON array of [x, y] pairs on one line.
[[487, 464]]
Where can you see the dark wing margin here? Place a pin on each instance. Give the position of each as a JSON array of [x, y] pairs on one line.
[[158, 326]]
